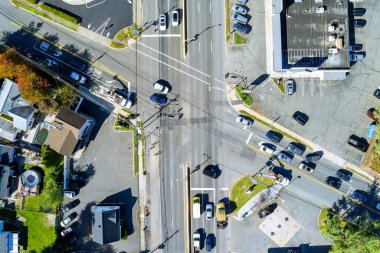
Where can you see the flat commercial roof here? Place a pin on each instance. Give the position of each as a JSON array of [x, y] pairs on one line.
[[308, 35]]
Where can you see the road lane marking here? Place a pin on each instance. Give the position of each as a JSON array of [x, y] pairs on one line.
[[210, 6], [199, 7], [179, 70], [249, 138], [160, 35], [211, 46], [171, 58], [199, 46]]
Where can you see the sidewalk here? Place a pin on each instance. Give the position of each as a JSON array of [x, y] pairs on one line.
[[232, 98]]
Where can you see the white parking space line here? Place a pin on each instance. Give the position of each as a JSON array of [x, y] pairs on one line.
[[199, 46], [160, 35], [211, 46], [210, 7], [224, 189], [203, 189], [93, 5], [199, 8], [249, 138]]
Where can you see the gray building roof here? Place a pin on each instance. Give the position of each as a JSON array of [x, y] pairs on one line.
[[105, 224], [306, 35], [10, 96], [6, 154], [4, 177]]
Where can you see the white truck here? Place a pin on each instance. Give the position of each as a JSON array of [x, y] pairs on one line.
[[196, 207], [197, 242]]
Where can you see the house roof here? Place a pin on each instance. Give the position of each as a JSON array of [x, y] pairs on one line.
[[7, 130], [22, 111], [71, 118], [10, 96], [105, 224], [4, 176], [6, 154], [64, 134]]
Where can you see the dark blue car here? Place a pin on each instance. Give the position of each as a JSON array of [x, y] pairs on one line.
[[360, 195], [159, 99]]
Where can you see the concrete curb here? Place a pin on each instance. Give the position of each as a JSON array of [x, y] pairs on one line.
[[327, 154]]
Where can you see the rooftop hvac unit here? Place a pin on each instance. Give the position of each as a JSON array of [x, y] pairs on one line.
[[320, 9], [333, 50], [331, 28], [339, 43], [332, 37], [318, 1]]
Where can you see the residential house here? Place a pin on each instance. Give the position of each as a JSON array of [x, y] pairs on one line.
[[6, 157], [16, 114], [67, 131], [9, 241], [106, 226]]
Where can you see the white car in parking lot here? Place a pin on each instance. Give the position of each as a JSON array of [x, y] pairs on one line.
[[267, 148], [175, 18], [239, 9], [244, 120]]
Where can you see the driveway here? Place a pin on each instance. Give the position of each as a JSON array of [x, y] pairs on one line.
[[336, 109], [107, 167], [105, 17]]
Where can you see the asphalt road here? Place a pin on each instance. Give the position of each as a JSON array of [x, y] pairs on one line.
[[208, 125]]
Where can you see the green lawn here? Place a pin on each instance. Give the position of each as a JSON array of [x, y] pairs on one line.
[[36, 203], [238, 190], [239, 39], [40, 232], [247, 99], [322, 220], [227, 7]]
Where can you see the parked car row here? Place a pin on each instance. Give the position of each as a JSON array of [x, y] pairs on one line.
[[355, 50], [240, 10]]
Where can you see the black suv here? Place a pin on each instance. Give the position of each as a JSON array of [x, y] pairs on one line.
[[211, 171], [300, 117], [274, 136], [357, 142], [334, 182], [241, 28], [344, 174]]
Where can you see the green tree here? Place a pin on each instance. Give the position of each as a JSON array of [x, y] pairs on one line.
[[50, 158], [351, 238], [53, 191]]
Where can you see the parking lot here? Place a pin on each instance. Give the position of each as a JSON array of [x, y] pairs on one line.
[[105, 17], [107, 168], [336, 109]]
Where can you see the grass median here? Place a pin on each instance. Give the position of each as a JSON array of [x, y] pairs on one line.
[[255, 119], [227, 7], [238, 193], [124, 35], [239, 39], [61, 15], [247, 99]]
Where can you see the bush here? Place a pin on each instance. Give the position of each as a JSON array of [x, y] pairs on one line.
[[247, 99], [59, 14], [50, 158]]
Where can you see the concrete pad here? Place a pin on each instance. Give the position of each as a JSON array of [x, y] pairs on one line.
[[280, 227]]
